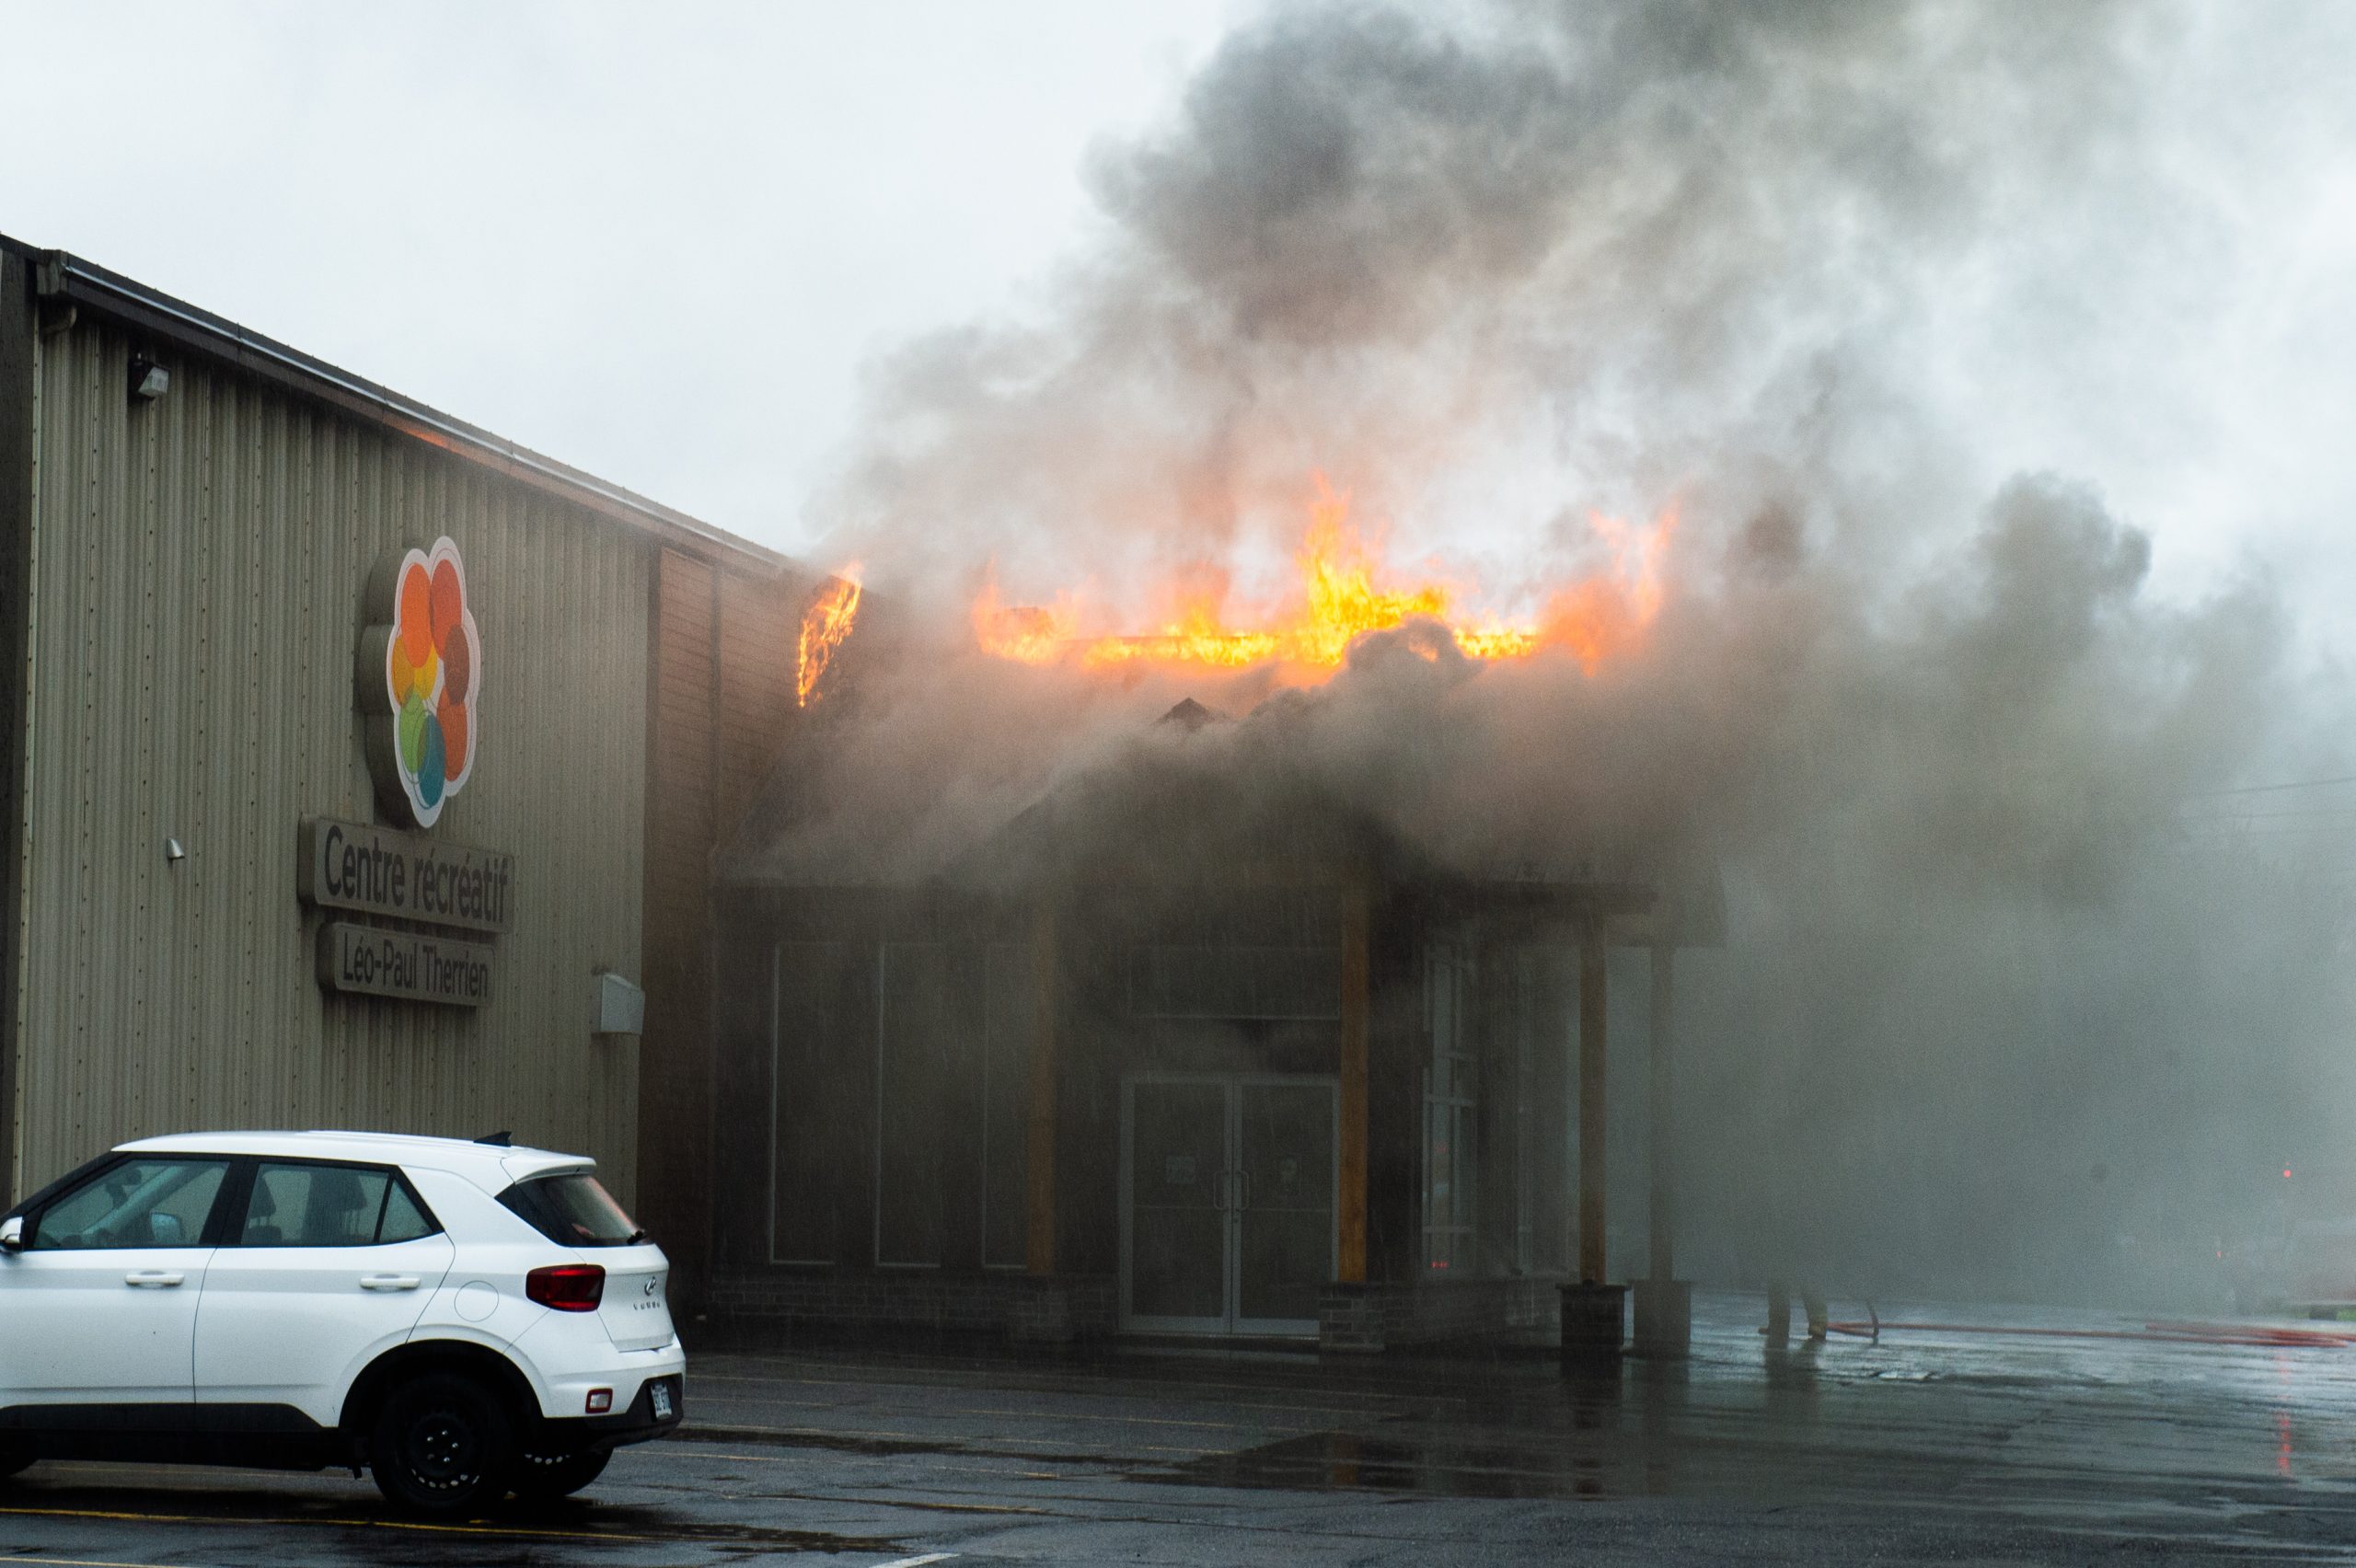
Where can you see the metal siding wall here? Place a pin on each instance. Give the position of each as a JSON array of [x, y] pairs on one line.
[[19, 416], [197, 595], [674, 1084], [760, 635]]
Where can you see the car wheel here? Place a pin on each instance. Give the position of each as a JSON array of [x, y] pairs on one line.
[[543, 1478], [439, 1446]]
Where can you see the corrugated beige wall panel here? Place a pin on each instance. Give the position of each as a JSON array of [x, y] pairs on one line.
[[201, 560]]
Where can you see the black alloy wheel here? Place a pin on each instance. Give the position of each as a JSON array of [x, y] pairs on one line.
[[544, 1478], [441, 1445]]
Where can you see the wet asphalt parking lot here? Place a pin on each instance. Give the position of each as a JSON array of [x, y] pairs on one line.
[[1973, 1435]]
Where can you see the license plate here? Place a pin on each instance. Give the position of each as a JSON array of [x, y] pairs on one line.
[[663, 1402]]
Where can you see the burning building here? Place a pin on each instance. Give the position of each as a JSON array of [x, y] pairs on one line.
[[1188, 1040]]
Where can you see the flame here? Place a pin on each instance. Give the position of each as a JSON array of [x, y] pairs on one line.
[[1340, 599], [824, 624]]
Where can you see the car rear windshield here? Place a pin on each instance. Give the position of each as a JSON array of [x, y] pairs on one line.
[[572, 1211]]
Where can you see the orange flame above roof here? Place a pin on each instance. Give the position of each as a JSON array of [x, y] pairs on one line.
[[824, 624], [1341, 598]]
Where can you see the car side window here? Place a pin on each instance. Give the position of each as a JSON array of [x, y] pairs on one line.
[[295, 1203], [403, 1221], [159, 1202]]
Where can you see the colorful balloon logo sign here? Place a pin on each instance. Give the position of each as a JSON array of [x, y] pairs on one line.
[[421, 667]]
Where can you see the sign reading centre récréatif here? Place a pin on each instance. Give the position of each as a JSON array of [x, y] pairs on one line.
[[380, 962], [350, 865]]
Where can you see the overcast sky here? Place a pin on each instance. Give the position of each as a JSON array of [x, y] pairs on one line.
[[663, 242], [659, 242]]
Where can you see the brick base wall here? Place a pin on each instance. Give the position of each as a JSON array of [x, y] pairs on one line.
[[1063, 1309], [1020, 1308], [1368, 1318]]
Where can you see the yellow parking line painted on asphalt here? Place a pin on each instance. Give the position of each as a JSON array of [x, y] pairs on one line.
[[520, 1530]]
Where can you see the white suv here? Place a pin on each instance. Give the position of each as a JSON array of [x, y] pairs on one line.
[[465, 1318]]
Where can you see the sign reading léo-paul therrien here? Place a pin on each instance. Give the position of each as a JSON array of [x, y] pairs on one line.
[[422, 967]]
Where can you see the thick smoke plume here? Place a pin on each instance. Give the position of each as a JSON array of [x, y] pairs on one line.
[[2002, 1006]]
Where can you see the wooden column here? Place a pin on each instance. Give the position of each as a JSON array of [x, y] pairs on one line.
[[1039, 1233], [1591, 1108], [1658, 1130], [1356, 1035]]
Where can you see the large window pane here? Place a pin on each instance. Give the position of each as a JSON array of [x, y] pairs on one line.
[[821, 1048], [926, 1055], [1011, 1019]]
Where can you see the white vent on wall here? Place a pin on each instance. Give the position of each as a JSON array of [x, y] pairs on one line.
[[620, 1007]]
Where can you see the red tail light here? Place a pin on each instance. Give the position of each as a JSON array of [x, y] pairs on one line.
[[567, 1287]]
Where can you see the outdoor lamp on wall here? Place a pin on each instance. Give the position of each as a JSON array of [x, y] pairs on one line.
[[149, 380]]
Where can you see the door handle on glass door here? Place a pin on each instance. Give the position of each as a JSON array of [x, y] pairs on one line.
[[153, 1279], [388, 1282]]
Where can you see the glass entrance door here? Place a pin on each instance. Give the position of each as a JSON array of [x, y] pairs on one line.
[[1228, 1203], [1176, 1218]]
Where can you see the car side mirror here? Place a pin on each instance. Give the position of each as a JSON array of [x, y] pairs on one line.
[[12, 1236]]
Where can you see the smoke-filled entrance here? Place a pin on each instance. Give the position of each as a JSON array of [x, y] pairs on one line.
[[1179, 1047]]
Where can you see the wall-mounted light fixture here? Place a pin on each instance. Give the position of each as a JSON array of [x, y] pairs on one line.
[[149, 380], [618, 1005], [173, 853]]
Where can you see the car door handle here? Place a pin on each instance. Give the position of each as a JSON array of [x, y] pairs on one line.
[[388, 1282], [154, 1279]]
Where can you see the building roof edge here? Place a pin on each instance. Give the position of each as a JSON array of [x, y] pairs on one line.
[[61, 275]]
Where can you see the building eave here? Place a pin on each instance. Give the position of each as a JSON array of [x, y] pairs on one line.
[[63, 278]]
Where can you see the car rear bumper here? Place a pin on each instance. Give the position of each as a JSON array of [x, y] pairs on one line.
[[569, 1356], [638, 1423]]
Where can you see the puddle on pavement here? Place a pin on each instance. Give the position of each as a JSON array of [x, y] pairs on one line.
[[1345, 1461], [832, 1442], [882, 1447]]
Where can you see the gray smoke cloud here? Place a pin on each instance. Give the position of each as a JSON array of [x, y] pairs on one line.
[[2004, 1005]]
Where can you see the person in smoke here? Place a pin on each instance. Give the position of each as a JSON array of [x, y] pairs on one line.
[[1778, 1327], [1795, 1256]]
